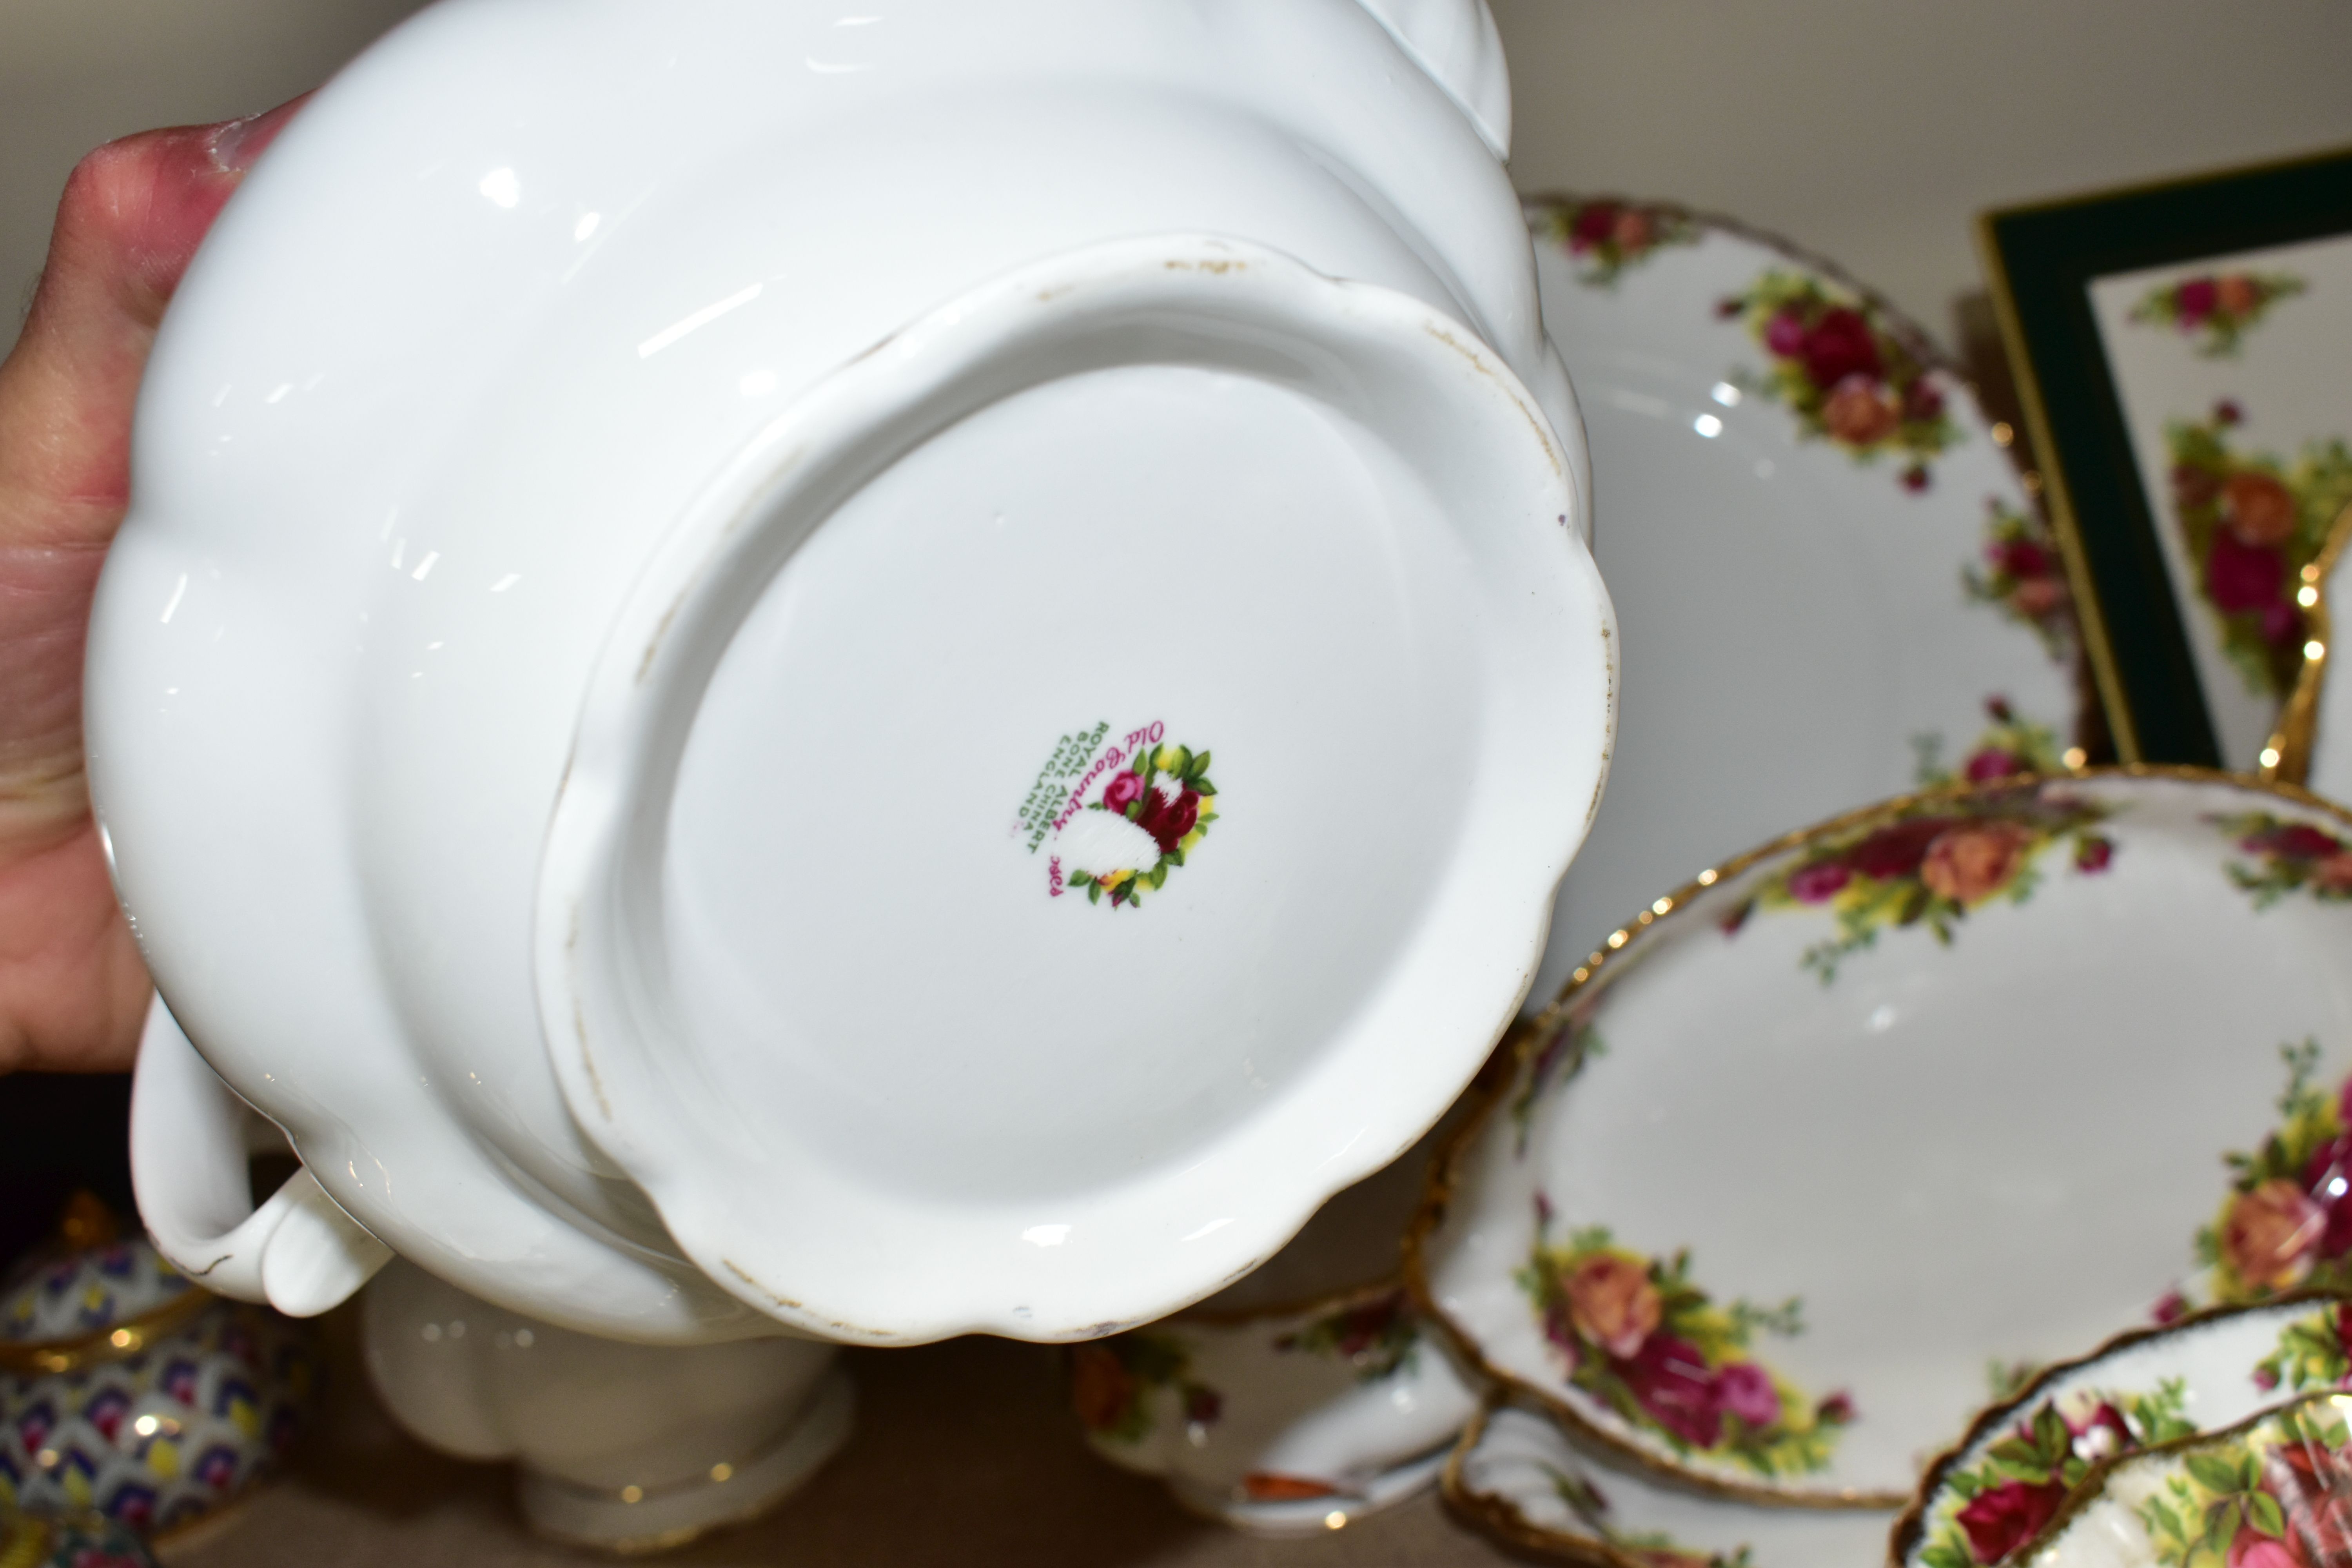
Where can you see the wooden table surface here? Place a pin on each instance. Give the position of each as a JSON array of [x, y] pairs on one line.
[[965, 1455]]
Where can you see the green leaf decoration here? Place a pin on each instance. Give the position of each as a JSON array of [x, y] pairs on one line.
[[1093, 892], [2268, 1517], [2212, 1472], [1203, 787]]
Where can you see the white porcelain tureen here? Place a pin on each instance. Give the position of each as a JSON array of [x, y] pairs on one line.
[[886, 671]]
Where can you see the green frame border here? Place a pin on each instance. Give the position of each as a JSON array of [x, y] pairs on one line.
[[2041, 260]]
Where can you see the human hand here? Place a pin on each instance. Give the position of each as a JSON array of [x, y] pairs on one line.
[[73, 992]]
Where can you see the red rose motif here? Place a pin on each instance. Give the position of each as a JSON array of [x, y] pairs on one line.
[[1669, 1380], [2195, 300], [2227, 412], [2001, 1518], [1168, 820], [2104, 1433], [2328, 1177], [1820, 882], [1993, 762], [1841, 344], [2020, 558], [2314, 1488], [2282, 624], [1896, 849], [1593, 225], [1784, 334], [2242, 576], [2094, 856], [2294, 841], [1837, 1410], [1922, 402]]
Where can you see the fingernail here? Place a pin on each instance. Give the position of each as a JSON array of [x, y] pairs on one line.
[[239, 144]]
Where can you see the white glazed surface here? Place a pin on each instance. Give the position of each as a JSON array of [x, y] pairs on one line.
[[2213, 1360], [1521, 1480], [593, 1418], [1897, 1148], [1280, 1422], [1794, 621], [501, 309]]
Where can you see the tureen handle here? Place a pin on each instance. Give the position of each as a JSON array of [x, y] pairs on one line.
[[298, 1252]]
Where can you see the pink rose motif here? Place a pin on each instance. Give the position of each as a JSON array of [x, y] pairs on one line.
[[1784, 334], [1860, 412], [2236, 294], [1747, 1392], [2241, 576], [1123, 790], [1999, 1519], [2195, 300], [1838, 345], [1970, 864], [1837, 1410], [1612, 1302], [1633, 230], [2038, 598], [2265, 1378], [1914, 477], [2170, 1308], [2270, 1235], [1819, 882], [1993, 763], [1669, 1380], [2252, 1548]]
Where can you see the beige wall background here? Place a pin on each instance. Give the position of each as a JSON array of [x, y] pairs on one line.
[[1871, 131]]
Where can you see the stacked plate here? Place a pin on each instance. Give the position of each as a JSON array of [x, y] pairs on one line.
[[1847, 1135]]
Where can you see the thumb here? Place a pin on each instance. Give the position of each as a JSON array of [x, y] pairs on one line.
[[72, 989]]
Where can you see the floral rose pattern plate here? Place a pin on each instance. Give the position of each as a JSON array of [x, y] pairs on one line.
[[1763, 1220], [1831, 583], [2275, 1493], [2228, 373], [2013, 1472]]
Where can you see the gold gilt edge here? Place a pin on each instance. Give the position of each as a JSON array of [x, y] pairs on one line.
[[2288, 755], [1499, 1518], [1913, 1520], [49, 1357], [2100, 688], [2057, 497], [1605, 963]]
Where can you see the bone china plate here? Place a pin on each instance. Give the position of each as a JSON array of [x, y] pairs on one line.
[[2009, 1477], [1824, 565], [1971, 1078], [2274, 1492]]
